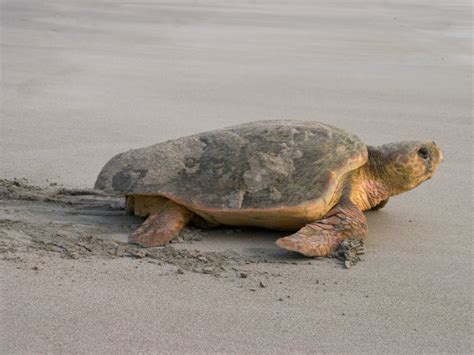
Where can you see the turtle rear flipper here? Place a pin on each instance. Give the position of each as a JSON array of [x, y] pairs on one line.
[[159, 228], [322, 237]]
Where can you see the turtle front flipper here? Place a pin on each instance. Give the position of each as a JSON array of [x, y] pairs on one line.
[[322, 237], [159, 228]]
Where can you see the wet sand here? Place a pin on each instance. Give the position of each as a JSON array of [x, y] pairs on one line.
[[82, 81]]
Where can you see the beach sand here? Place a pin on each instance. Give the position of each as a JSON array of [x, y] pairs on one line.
[[84, 80]]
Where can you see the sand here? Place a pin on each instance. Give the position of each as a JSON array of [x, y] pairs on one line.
[[84, 80]]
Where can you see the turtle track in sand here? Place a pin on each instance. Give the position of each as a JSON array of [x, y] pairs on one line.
[[83, 223]]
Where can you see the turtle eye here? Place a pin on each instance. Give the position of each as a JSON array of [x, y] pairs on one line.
[[424, 153]]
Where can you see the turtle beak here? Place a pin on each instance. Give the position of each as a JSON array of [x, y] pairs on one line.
[[436, 155]]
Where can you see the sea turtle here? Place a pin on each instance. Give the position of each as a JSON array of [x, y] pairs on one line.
[[305, 177]]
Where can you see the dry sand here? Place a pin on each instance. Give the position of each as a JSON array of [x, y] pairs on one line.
[[83, 80]]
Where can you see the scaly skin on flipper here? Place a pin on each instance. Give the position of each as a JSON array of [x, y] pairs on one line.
[[321, 238], [159, 228]]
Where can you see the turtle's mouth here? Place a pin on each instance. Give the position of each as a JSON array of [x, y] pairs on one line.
[[440, 155], [436, 158]]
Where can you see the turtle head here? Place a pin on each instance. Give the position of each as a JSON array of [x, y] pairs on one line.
[[405, 165]]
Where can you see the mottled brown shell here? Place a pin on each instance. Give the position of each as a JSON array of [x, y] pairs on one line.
[[259, 165]]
